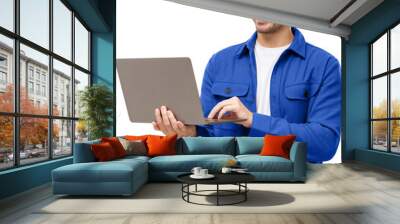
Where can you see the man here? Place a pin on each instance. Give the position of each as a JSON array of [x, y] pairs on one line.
[[278, 84]]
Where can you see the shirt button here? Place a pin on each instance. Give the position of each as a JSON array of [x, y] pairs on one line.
[[228, 90]]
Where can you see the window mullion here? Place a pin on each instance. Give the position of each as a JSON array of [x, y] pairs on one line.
[[16, 70], [371, 98], [50, 81], [389, 104], [73, 83]]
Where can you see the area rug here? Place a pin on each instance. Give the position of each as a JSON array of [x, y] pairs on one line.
[[166, 198]]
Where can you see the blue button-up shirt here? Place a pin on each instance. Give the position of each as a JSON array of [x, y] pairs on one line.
[[305, 95]]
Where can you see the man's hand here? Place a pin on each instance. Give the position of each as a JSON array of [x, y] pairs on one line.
[[232, 108], [166, 122]]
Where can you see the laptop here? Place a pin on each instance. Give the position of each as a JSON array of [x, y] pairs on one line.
[[148, 83]]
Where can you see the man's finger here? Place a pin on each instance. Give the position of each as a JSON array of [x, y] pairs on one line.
[[165, 119], [155, 126], [181, 126], [225, 109], [173, 120], [218, 107], [159, 121]]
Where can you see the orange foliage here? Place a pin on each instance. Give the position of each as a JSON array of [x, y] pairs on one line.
[[34, 130]]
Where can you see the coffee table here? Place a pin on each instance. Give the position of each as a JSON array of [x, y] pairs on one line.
[[238, 179]]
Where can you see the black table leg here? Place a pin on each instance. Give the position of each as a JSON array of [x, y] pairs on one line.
[[245, 193], [217, 194], [188, 190], [196, 187]]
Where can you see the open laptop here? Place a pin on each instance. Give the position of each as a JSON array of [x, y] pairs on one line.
[[148, 83]]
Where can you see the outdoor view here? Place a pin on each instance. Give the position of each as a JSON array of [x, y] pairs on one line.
[[34, 118], [382, 119]]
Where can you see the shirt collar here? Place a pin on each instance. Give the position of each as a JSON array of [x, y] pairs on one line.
[[298, 45]]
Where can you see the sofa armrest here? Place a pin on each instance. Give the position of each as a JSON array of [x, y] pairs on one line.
[[298, 155], [83, 152]]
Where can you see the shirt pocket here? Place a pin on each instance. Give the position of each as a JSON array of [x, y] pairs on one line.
[[229, 89], [301, 91]]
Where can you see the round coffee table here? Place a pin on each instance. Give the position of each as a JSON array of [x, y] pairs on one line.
[[238, 179]]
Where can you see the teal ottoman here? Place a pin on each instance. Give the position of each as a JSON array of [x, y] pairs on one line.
[[118, 177]]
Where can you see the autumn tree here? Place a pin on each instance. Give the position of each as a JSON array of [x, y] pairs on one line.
[[380, 127], [33, 131]]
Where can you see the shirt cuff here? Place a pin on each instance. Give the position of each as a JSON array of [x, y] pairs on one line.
[[261, 125], [201, 131]]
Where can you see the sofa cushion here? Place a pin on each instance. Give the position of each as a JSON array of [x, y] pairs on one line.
[[161, 145], [135, 147], [249, 145], [185, 163], [103, 152], [116, 145], [277, 145], [206, 145], [111, 171], [257, 163], [132, 158], [83, 152]]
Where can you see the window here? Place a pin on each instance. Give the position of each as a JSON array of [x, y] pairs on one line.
[[30, 72], [62, 29], [3, 61], [44, 125], [3, 78], [33, 143], [6, 142], [81, 81], [385, 94], [30, 87], [6, 73], [62, 137], [34, 21], [44, 91], [62, 74], [7, 14], [81, 45], [37, 75], [37, 90]]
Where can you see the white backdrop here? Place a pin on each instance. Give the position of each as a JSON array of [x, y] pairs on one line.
[[157, 28]]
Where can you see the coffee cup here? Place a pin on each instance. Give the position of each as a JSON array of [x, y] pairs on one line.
[[226, 170], [196, 171], [203, 172]]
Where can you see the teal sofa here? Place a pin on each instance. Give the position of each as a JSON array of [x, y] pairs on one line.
[[125, 176]]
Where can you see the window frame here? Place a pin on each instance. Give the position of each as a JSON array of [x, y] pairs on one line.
[[16, 114], [388, 74]]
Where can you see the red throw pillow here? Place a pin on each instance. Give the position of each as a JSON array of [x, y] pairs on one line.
[[161, 145], [116, 145], [277, 145], [103, 152]]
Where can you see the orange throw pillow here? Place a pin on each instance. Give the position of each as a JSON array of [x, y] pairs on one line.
[[136, 138], [116, 145], [103, 152], [277, 145], [161, 145]]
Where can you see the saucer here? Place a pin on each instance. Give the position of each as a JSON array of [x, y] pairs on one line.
[[208, 176]]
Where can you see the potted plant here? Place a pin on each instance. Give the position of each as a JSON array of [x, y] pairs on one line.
[[96, 103]]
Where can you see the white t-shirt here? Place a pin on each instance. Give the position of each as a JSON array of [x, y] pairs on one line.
[[266, 59]]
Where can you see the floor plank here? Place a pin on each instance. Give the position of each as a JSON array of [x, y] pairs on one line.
[[353, 182]]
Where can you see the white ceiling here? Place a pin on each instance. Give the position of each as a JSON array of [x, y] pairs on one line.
[[327, 16]]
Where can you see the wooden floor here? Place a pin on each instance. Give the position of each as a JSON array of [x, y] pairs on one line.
[[378, 188]]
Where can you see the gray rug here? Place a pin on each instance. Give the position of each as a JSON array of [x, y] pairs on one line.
[[166, 198]]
